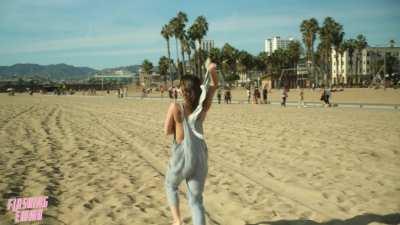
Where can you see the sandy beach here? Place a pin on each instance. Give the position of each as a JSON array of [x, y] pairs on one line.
[[102, 160]]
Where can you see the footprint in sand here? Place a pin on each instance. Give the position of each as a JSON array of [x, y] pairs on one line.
[[325, 195], [91, 203]]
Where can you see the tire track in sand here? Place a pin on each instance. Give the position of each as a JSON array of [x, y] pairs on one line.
[[53, 190], [148, 158], [308, 199]]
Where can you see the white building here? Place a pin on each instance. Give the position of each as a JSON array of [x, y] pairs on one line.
[[275, 43], [362, 64], [207, 45]]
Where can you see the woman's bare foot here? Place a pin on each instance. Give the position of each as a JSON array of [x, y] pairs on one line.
[[179, 222]]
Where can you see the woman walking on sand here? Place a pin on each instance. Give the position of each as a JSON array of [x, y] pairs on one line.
[[189, 150]]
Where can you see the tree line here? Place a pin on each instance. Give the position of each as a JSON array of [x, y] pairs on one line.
[[190, 57]]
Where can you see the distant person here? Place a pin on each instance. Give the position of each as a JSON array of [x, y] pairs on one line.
[[170, 93], [219, 96], [301, 98], [248, 95], [265, 94], [175, 93], [229, 97], [256, 95], [144, 92], [326, 94], [284, 97], [162, 91]]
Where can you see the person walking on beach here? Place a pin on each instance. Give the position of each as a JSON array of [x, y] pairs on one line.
[[248, 95], [284, 97], [219, 96], [265, 95], [125, 92], [175, 94], [144, 92], [325, 97], [256, 95], [189, 150], [170, 93], [162, 91], [229, 96], [301, 100]]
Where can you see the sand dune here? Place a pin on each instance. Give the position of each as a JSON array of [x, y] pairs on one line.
[[102, 160]]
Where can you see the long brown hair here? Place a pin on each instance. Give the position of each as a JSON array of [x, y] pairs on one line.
[[190, 86]]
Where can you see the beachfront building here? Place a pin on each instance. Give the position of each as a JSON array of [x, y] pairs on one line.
[[272, 44], [361, 65], [207, 45], [153, 79], [119, 76]]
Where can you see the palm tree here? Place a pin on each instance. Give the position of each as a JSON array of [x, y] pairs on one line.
[[337, 39], [349, 47], [203, 29], [229, 56], [197, 32], [261, 62], [163, 65], [294, 51], [392, 43], [175, 24], [182, 18], [309, 29], [360, 44], [166, 32], [245, 62], [192, 35], [147, 66], [325, 46], [187, 45]]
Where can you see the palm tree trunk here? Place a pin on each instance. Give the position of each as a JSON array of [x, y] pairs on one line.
[[183, 60], [200, 68], [337, 65], [190, 67], [169, 63], [177, 57], [312, 63]]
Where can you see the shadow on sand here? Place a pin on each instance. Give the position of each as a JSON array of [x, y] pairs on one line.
[[365, 219]]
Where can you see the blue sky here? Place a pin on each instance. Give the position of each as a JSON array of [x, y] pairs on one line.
[[102, 34]]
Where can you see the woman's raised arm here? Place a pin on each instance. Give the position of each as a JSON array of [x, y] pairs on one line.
[[212, 68], [169, 124]]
